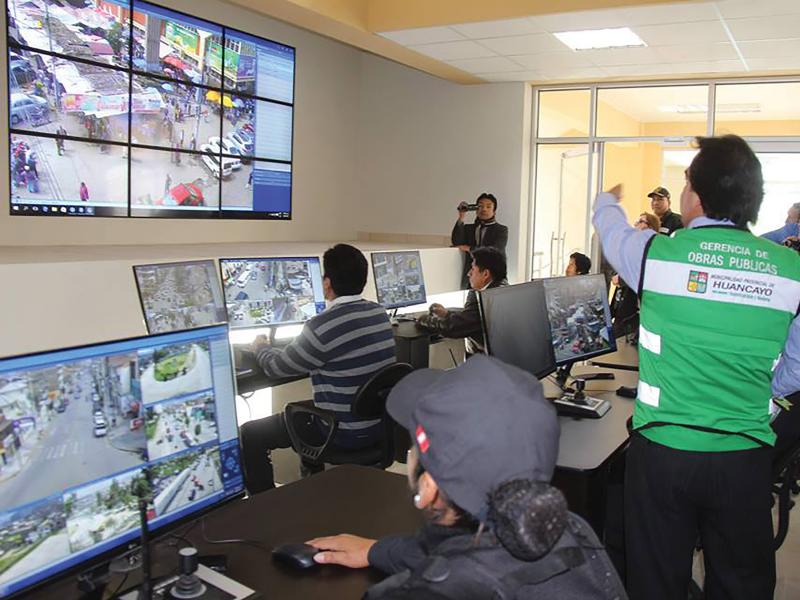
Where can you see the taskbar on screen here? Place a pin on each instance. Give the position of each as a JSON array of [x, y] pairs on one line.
[[66, 210]]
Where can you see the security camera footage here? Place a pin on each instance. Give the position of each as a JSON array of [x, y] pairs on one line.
[[580, 320], [81, 430], [271, 291], [121, 108], [398, 278], [179, 296]]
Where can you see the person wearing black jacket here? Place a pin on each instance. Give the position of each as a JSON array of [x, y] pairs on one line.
[[484, 447], [485, 231], [660, 203], [488, 271]]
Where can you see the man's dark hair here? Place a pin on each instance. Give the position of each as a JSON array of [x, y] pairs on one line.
[[487, 196], [726, 176], [582, 262], [346, 268], [492, 259]]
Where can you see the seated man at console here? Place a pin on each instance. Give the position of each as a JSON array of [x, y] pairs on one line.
[[488, 271], [484, 448], [341, 348]]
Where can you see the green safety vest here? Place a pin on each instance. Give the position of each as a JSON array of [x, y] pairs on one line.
[[716, 306]]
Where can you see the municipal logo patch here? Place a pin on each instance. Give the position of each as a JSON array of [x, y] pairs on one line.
[[698, 282]]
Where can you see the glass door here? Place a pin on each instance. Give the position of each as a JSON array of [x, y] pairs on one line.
[[780, 166]]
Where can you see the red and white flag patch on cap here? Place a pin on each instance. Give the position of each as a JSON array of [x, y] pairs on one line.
[[422, 439]]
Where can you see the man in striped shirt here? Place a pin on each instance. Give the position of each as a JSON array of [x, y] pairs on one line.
[[341, 348]]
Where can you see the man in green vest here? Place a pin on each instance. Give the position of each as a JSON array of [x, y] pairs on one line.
[[719, 337]]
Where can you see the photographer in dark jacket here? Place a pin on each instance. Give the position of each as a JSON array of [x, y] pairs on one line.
[[485, 231], [485, 443], [488, 271]]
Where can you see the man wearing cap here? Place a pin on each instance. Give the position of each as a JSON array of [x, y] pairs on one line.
[[485, 231], [480, 471], [660, 203]]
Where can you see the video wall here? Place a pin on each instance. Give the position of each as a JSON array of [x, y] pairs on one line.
[[126, 108]]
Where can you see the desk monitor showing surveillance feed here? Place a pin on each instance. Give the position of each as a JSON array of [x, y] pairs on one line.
[[398, 279], [83, 428], [515, 327], [580, 326], [264, 292], [181, 295]]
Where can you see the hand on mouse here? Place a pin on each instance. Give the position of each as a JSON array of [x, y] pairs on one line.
[[345, 549], [438, 310]]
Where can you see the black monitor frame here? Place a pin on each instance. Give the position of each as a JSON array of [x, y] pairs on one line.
[[395, 306], [91, 564]]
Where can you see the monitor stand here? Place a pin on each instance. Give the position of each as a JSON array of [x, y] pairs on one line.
[[573, 402]]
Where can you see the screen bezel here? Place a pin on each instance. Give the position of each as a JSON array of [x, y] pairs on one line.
[[34, 209], [612, 340], [421, 276], [132, 544], [174, 264], [261, 259]]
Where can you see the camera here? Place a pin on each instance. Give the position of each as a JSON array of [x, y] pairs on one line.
[[464, 206], [793, 243]]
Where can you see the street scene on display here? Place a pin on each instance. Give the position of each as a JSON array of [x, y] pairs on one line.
[[184, 479], [260, 293], [180, 296], [109, 108], [398, 278], [175, 425], [174, 370], [577, 314]]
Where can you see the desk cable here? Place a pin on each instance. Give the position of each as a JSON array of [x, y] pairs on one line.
[[246, 399], [254, 543]]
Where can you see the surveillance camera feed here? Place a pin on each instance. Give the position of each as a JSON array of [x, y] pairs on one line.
[[126, 108], [178, 296], [398, 278], [264, 292], [580, 320], [82, 430]]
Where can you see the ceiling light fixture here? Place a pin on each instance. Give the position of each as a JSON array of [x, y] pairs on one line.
[[597, 39]]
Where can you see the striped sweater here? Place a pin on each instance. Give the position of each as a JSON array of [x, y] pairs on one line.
[[341, 348]]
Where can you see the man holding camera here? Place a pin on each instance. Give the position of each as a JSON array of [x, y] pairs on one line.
[[485, 231], [788, 234]]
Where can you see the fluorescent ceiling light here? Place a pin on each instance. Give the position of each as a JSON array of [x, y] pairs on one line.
[[591, 39], [746, 107]]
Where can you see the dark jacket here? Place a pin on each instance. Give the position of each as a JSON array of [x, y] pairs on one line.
[[464, 323], [670, 222], [494, 235], [624, 310]]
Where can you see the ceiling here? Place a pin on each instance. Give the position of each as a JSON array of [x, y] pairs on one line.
[[472, 41]]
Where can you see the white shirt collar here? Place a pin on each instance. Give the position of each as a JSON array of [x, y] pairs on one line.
[[341, 300]]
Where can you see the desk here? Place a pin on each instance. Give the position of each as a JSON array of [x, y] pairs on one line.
[[345, 499], [626, 357], [412, 344]]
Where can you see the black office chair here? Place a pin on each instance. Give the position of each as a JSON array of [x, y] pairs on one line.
[[369, 403]]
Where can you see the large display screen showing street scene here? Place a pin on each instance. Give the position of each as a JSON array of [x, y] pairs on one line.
[[126, 108], [264, 292], [398, 278], [580, 320], [178, 296], [84, 430]]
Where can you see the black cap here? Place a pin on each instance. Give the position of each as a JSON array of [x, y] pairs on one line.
[[478, 426], [659, 191]]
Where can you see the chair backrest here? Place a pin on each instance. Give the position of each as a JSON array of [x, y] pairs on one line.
[[370, 400]]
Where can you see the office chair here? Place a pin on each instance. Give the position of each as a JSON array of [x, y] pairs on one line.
[[369, 403]]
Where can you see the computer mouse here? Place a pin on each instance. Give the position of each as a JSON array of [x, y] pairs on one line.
[[297, 556], [627, 392]]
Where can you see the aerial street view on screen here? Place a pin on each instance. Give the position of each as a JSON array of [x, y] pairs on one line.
[[398, 278], [261, 293], [180, 296], [207, 143], [577, 314]]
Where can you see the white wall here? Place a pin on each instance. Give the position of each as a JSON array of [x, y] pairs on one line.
[[325, 157], [426, 144]]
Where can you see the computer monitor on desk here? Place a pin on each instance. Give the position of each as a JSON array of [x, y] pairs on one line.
[[82, 428], [268, 292], [398, 278]]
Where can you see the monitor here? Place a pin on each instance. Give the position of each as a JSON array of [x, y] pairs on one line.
[[515, 327], [265, 292], [180, 295], [398, 278], [82, 427], [580, 319]]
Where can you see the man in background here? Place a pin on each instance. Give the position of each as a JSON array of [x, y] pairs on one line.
[[789, 230], [485, 231], [660, 203], [579, 264]]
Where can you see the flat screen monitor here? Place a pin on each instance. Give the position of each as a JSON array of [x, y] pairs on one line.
[[398, 278], [515, 327], [82, 427], [580, 320], [265, 292], [182, 295]]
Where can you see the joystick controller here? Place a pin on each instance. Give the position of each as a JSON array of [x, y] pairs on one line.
[[189, 584]]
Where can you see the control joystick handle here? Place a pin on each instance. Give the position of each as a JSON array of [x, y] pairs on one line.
[[189, 584]]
